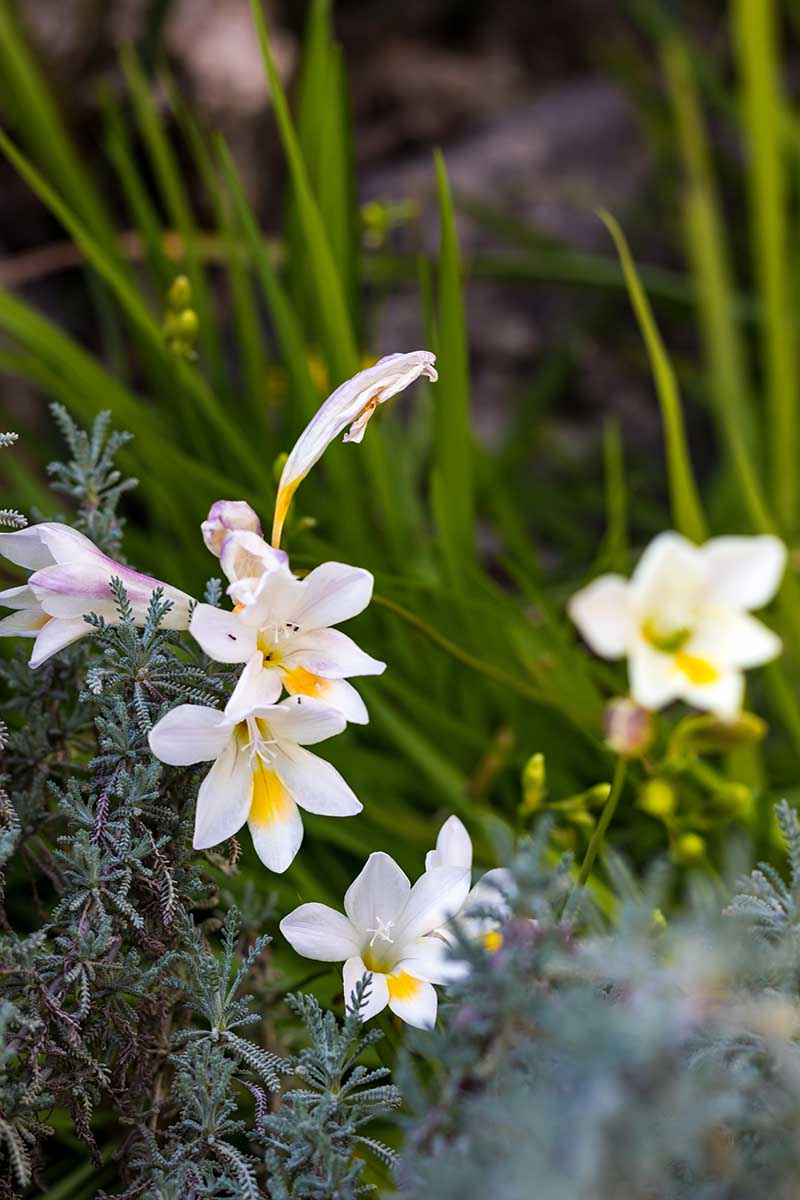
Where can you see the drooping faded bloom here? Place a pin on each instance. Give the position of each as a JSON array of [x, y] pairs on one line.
[[683, 619], [384, 932], [289, 621], [486, 907], [261, 773], [353, 403], [72, 578]]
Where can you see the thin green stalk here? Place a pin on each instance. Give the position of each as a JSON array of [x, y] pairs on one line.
[[606, 816]]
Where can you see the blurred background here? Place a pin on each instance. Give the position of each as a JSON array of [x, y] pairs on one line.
[[544, 113]]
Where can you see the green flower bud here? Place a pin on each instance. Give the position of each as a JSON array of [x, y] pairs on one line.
[[179, 295], [689, 848]]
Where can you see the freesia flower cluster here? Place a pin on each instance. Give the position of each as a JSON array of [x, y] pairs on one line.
[[282, 629], [683, 622]]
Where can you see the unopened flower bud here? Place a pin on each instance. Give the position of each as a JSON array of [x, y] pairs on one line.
[[224, 517], [657, 798], [534, 783], [628, 727], [689, 848], [179, 295]]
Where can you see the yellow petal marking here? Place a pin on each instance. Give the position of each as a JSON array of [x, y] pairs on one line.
[[299, 681], [271, 803], [492, 941], [402, 986], [696, 670], [282, 502]]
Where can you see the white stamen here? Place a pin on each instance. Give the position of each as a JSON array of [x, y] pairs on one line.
[[382, 932]]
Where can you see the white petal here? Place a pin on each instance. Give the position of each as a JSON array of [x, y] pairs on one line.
[[453, 847], [381, 890], [434, 899], [246, 555], [223, 800], [373, 386], [724, 696], [221, 634], [354, 971], [336, 693], [671, 580], [66, 544], [330, 653], [735, 639], [26, 548], [412, 1000], [28, 622], [602, 613], [54, 636], [256, 687], [276, 825], [189, 734], [431, 959], [331, 593], [654, 679], [492, 892], [313, 783], [305, 720], [19, 597], [745, 571], [319, 932]]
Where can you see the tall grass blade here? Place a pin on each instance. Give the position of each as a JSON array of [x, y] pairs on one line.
[[687, 512], [755, 29]]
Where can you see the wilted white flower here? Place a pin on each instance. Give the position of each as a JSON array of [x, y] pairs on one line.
[[353, 403]]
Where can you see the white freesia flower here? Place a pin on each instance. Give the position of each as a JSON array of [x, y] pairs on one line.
[[227, 516], [353, 403], [385, 933], [289, 621], [683, 619], [486, 908], [70, 579], [261, 773]]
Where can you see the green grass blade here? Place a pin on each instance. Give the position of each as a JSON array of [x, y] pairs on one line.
[[452, 482], [687, 512], [755, 28], [705, 238]]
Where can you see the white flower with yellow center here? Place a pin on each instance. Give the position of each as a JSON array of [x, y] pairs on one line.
[[683, 619], [289, 621], [72, 578], [486, 908], [261, 773], [384, 932], [353, 403]]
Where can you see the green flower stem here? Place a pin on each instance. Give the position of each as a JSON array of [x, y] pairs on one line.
[[605, 820]]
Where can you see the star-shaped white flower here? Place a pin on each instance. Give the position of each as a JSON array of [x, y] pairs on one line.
[[683, 619], [289, 621], [384, 932], [261, 773], [72, 578]]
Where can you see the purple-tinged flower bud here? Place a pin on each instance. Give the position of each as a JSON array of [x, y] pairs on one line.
[[224, 517], [628, 727]]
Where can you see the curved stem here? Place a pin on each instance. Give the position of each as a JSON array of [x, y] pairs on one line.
[[605, 820]]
